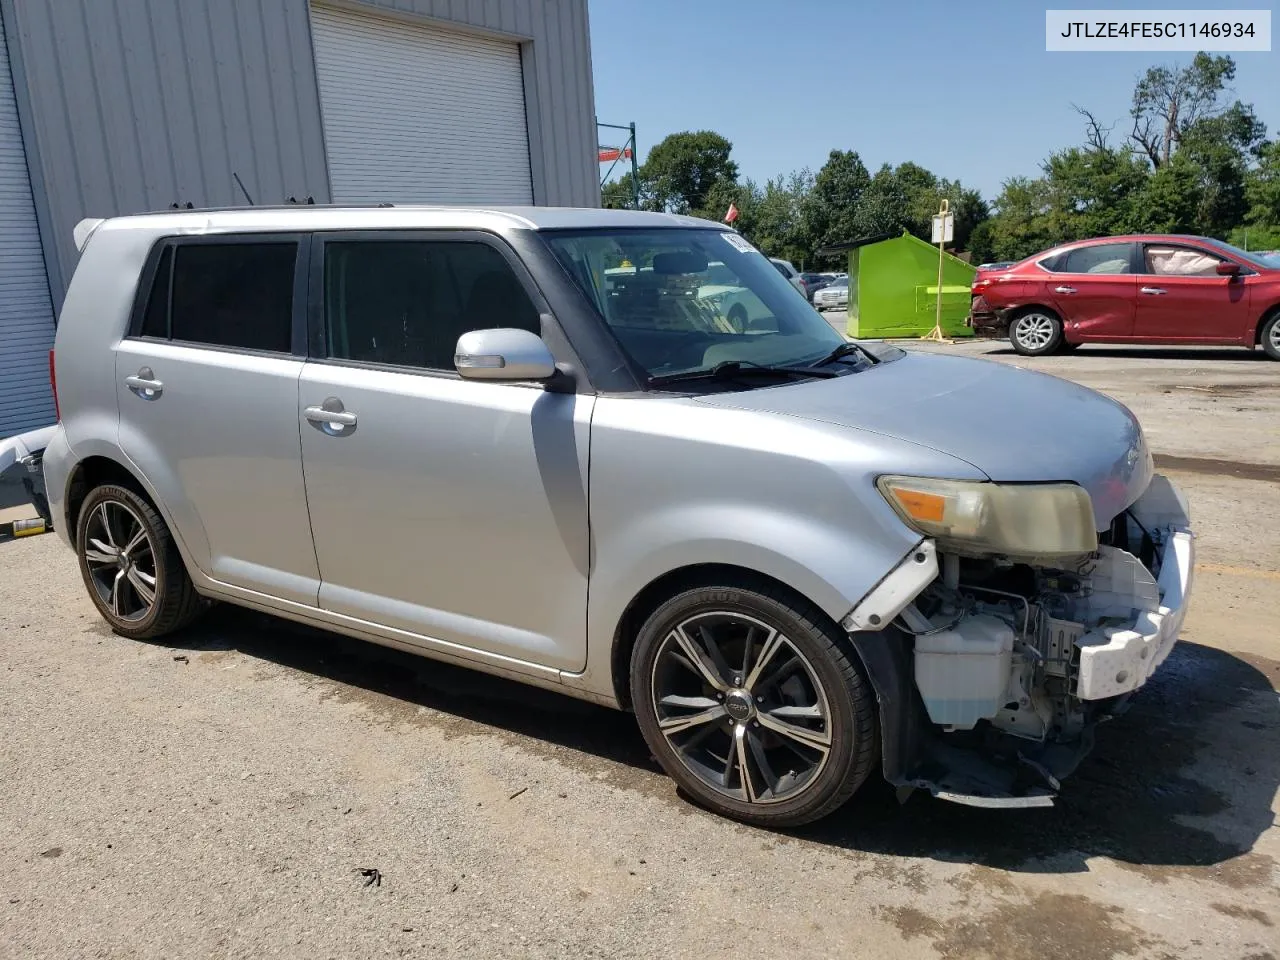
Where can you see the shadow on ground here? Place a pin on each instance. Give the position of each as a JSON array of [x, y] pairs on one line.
[[1135, 800], [1201, 354]]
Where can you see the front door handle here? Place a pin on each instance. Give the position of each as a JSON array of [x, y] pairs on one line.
[[1064, 289], [1153, 291], [145, 384], [330, 416]]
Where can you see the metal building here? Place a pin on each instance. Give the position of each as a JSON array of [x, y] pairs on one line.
[[110, 107]]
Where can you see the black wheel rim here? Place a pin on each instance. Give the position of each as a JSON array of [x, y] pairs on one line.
[[120, 557], [741, 707]]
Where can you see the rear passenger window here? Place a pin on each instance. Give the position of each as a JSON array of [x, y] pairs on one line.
[[1101, 258], [406, 302], [224, 295]]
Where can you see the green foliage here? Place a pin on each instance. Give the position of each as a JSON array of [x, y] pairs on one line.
[[681, 171], [619, 194], [829, 212], [1262, 187], [1256, 237]]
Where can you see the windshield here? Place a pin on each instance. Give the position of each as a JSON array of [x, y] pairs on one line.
[[680, 300], [1245, 255]]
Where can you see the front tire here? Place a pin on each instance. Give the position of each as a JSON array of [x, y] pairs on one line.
[[131, 566], [1271, 336], [1036, 332], [753, 704]]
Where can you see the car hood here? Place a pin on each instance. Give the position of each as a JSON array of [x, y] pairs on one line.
[[1014, 425]]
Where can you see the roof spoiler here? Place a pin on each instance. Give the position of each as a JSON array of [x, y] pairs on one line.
[[84, 230]]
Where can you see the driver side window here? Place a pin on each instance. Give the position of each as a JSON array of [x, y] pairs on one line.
[[1181, 262], [406, 302]]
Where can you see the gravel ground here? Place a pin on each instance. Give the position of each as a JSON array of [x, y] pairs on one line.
[[219, 796]]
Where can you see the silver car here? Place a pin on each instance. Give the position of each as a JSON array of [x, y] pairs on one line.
[[833, 296], [797, 559]]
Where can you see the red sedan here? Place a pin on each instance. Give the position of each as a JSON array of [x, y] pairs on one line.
[[1141, 289]]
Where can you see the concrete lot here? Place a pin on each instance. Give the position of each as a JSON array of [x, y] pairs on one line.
[[217, 796]]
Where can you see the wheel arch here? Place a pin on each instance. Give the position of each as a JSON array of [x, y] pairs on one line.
[[1014, 312], [1263, 320], [95, 471], [883, 655], [100, 463], [661, 589]]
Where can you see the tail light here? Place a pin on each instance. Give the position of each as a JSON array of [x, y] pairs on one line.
[[53, 384]]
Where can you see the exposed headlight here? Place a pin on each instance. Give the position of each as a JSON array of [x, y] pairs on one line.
[[1015, 520]]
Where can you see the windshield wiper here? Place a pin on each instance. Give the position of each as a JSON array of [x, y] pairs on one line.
[[736, 369], [844, 350]]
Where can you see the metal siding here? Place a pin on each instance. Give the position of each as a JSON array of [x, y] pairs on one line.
[[138, 104], [26, 313], [414, 113]]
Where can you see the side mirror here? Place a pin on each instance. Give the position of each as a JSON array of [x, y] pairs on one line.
[[505, 353], [1228, 268]]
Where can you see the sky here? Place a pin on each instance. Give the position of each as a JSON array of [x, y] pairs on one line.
[[964, 89]]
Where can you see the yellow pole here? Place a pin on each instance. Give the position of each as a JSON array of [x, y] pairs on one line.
[[936, 332]]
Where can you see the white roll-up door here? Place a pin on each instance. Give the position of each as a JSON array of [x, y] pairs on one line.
[[413, 113], [26, 313]]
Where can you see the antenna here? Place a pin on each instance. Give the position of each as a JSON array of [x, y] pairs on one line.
[[242, 189]]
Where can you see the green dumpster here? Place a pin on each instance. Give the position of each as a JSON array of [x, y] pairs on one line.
[[893, 288]]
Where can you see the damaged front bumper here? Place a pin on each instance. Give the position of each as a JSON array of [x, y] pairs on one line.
[[992, 677], [1118, 658]]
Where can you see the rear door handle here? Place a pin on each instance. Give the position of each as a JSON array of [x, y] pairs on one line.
[[1064, 289], [1153, 291], [145, 384]]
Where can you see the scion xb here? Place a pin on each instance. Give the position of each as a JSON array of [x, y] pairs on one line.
[[465, 433]]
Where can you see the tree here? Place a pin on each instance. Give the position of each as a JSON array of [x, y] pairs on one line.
[[1091, 192], [884, 206], [619, 194], [1262, 187], [681, 171], [1222, 147], [1022, 224], [1170, 199], [1167, 100], [829, 210]]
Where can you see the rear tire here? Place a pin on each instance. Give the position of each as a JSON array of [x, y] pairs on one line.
[[1036, 332], [774, 692], [131, 566], [1270, 336]]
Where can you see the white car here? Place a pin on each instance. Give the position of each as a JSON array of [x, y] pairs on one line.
[[834, 296]]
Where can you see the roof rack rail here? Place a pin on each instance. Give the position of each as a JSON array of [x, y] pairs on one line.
[[192, 208]]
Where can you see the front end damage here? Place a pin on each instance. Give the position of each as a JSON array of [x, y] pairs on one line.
[[992, 674]]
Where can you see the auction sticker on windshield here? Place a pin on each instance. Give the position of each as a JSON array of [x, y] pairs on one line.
[[739, 242]]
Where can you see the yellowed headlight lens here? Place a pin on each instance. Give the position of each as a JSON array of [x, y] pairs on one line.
[[1041, 520]]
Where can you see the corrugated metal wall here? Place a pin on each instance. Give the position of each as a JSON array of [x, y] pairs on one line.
[[138, 104], [132, 105]]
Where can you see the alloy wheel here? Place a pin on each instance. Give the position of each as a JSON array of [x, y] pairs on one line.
[[1034, 331], [741, 707], [1274, 337], [121, 560]]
